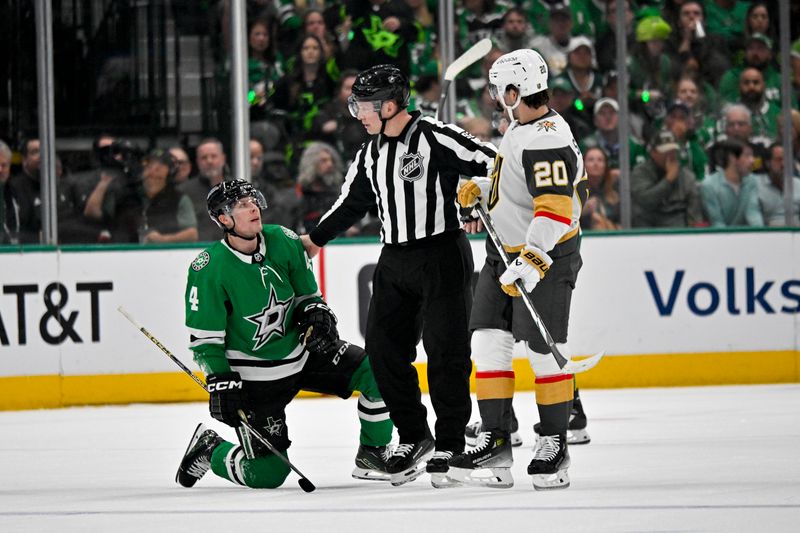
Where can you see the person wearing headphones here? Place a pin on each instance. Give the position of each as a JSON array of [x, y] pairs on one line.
[[167, 214]]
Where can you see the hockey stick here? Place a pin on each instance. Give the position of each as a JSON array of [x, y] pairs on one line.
[[564, 363], [473, 54], [304, 482]]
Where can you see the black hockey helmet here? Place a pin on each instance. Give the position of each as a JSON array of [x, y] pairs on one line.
[[223, 196], [379, 84]]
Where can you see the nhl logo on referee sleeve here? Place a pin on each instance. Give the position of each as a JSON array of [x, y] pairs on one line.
[[411, 166]]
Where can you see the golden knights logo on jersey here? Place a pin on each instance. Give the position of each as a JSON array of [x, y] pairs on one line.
[[546, 125], [411, 166], [270, 321]]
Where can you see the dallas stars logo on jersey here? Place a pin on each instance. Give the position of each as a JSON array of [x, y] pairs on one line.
[[270, 320]]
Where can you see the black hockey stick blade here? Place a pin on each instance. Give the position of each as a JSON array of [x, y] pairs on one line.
[[304, 483]]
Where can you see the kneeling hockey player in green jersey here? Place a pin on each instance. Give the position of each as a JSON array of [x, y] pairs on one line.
[[261, 332]]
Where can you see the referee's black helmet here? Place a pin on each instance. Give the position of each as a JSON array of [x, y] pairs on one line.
[[382, 83]]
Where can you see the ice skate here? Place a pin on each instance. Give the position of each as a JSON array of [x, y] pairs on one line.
[[576, 431], [550, 463], [472, 431], [407, 461], [371, 463], [487, 465], [197, 458], [437, 467]]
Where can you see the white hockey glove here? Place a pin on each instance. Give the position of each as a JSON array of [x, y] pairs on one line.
[[530, 266]]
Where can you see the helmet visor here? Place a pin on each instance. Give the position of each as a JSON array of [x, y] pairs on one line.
[[359, 108], [242, 203], [494, 91]]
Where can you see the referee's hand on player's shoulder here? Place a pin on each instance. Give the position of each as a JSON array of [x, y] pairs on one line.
[[311, 248]]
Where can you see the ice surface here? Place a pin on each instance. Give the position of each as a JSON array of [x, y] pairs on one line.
[[678, 459]]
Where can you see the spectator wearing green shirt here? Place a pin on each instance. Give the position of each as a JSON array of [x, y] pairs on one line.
[[770, 190], [585, 14], [606, 135], [730, 195], [650, 68], [757, 54], [680, 122], [726, 18], [701, 106], [764, 112]]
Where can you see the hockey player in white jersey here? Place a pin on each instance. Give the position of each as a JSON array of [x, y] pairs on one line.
[[534, 197]]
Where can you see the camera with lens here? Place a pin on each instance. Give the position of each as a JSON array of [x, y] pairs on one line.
[[123, 157]]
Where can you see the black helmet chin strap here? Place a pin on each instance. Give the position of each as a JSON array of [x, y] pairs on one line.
[[232, 231], [385, 120]]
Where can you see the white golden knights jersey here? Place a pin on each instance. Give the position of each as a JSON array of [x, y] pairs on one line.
[[538, 185]]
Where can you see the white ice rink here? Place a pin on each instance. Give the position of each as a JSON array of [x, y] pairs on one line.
[[678, 459]]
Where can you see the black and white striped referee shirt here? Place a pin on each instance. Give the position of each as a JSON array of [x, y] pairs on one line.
[[412, 178]]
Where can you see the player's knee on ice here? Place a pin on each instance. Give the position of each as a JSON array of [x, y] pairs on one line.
[[267, 472]]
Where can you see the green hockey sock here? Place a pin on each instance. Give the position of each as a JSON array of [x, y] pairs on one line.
[[229, 462], [376, 426]]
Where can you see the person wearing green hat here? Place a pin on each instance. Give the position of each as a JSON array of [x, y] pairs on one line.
[[562, 100], [758, 53], [650, 68]]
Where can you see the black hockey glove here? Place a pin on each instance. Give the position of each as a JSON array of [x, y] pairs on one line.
[[225, 397], [318, 328]]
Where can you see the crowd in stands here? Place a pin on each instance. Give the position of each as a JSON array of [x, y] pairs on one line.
[[704, 98]]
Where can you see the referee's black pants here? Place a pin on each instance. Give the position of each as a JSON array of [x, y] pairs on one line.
[[423, 287]]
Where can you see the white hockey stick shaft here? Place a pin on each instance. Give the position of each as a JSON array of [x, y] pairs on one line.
[[564, 363], [475, 52], [304, 482]]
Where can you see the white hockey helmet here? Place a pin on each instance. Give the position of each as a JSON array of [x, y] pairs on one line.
[[525, 69]]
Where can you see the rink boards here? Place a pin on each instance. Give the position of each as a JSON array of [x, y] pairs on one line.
[[669, 309]]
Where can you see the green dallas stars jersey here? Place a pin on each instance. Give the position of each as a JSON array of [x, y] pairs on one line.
[[239, 307]]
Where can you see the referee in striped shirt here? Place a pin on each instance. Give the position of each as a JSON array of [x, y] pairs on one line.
[[410, 169]]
